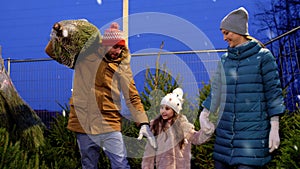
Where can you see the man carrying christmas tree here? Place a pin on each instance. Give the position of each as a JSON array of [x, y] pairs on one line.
[[101, 73]]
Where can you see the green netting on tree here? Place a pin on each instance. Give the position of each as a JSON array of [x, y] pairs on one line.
[[16, 116], [69, 38]]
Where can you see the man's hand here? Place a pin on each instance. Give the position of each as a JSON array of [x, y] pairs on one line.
[[145, 131], [274, 139], [205, 124]]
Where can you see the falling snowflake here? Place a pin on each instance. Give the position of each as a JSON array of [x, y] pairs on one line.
[[295, 147]]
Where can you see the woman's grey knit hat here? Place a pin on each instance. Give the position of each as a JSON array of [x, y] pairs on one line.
[[236, 21]]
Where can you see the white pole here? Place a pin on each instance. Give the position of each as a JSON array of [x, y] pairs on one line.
[[125, 20]]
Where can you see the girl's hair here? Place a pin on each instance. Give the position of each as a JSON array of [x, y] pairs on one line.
[[159, 125]]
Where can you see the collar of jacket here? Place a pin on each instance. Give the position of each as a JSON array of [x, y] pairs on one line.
[[244, 51]]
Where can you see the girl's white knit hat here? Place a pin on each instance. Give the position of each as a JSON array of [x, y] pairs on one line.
[[174, 100]]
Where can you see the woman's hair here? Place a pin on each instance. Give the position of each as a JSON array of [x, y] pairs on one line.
[[248, 37], [160, 125]]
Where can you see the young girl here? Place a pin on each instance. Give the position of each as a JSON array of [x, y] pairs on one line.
[[174, 134]]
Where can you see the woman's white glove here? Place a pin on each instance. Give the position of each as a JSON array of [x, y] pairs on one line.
[[205, 124], [145, 131], [274, 139]]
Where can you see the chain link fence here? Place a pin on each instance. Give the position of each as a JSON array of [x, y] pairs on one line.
[[46, 85]]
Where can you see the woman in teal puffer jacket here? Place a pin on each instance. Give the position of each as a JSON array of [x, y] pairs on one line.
[[247, 93]]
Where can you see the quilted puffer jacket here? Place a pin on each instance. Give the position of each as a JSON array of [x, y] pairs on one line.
[[246, 92]]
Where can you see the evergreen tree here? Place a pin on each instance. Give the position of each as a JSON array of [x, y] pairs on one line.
[[157, 84], [12, 155], [17, 117]]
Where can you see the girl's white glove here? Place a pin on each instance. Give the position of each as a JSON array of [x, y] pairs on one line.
[[205, 124], [274, 139], [145, 131]]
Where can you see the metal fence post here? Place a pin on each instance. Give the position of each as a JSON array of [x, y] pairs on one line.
[[8, 66]]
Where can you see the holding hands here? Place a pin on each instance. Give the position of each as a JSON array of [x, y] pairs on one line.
[[145, 131], [205, 125]]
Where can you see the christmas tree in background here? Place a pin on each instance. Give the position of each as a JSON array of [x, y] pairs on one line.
[[17, 117]]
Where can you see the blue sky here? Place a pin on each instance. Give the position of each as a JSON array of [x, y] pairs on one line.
[[25, 27]]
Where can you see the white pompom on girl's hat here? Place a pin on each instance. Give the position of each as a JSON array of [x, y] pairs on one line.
[[174, 100], [113, 36]]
